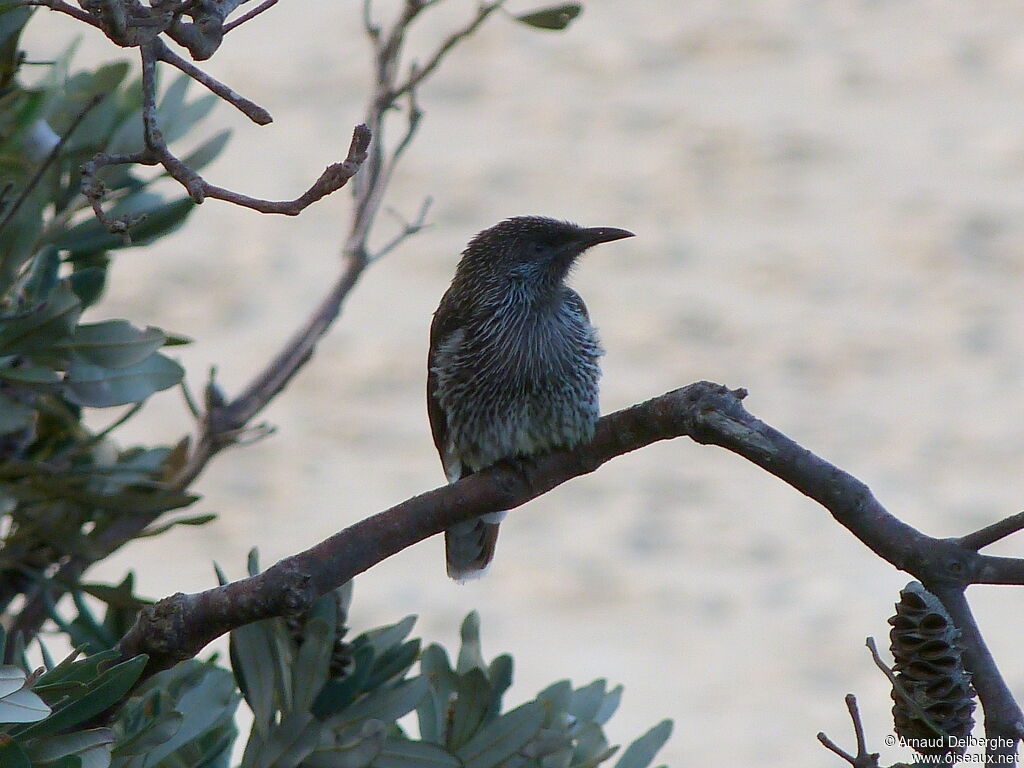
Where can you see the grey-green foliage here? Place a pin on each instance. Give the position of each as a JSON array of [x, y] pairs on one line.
[[45, 714], [59, 479], [319, 701]]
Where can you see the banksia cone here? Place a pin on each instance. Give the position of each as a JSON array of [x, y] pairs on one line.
[[929, 667]]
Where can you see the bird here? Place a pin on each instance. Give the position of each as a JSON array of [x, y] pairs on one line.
[[512, 368]]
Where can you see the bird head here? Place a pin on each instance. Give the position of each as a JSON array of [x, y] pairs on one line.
[[533, 248]]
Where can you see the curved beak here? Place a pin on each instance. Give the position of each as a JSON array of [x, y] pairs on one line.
[[597, 235]]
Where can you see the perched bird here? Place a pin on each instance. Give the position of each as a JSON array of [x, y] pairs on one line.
[[512, 367]]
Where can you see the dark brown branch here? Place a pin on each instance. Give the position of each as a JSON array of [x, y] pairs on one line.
[[179, 626]]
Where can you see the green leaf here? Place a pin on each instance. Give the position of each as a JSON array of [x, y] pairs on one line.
[[384, 638], [386, 704], [30, 374], [609, 705], [49, 323], [207, 704], [555, 18], [591, 747], [587, 701], [395, 662], [470, 653], [338, 694], [88, 283], [152, 734], [312, 664], [12, 679], [13, 756], [432, 710], [13, 415], [114, 343], [97, 387], [641, 752], [475, 700], [208, 151], [503, 738], [358, 752], [92, 237], [194, 520], [22, 706], [253, 664], [103, 693], [403, 753], [93, 746], [43, 277]]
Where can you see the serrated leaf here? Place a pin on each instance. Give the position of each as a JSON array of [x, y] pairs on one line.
[[94, 386], [22, 706], [13, 415], [554, 18], [504, 737], [641, 752], [49, 323], [114, 343]]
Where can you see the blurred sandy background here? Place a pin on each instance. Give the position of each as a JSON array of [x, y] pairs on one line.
[[829, 200]]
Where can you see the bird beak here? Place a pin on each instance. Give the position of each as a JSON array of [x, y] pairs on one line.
[[597, 235]]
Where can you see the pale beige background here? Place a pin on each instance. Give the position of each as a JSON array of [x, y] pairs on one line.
[[828, 201]]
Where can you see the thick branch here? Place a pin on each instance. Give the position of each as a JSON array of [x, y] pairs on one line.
[[179, 626]]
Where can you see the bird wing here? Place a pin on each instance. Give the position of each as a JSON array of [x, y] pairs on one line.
[[447, 320]]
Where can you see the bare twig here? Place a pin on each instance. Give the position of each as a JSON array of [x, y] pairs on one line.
[[990, 534], [265, 5], [250, 109], [421, 73], [62, 7], [863, 758]]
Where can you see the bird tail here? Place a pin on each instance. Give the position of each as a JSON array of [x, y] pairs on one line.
[[469, 547]]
